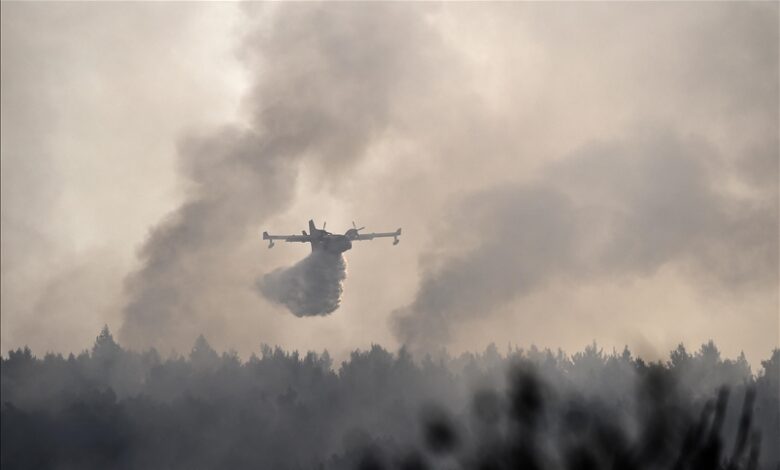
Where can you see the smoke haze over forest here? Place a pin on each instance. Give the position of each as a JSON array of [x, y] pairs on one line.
[[584, 177], [563, 172], [114, 408]]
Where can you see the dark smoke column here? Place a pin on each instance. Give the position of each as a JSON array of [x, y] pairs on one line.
[[330, 77]]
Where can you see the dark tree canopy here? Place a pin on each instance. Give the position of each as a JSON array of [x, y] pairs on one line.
[[116, 408]]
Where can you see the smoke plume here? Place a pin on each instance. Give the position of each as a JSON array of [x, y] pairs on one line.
[[316, 102], [498, 133], [616, 210], [313, 286]]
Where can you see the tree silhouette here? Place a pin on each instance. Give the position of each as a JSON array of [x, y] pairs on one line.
[[113, 408]]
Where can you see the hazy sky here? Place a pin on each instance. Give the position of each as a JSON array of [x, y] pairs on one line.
[[563, 173]]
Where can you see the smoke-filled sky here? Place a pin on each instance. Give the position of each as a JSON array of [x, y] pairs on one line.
[[563, 173]]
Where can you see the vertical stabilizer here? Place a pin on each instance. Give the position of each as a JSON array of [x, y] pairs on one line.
[[312, 228]]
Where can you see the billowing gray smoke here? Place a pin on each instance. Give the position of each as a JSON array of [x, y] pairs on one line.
[[327, 79], [611, 210], [313, 286]]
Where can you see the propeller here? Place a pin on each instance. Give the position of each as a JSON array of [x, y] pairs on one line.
[[356, 229]]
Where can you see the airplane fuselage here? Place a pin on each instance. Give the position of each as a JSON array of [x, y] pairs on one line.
[[329, 242]]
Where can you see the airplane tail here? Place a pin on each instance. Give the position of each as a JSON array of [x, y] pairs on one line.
[[312, 228]]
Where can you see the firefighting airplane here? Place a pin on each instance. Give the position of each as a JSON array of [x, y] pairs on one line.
[[333, 243]]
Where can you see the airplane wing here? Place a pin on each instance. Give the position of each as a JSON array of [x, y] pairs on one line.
[[371, 236], [288, 238]]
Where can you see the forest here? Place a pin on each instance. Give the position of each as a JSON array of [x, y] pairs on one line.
[[110, 407]]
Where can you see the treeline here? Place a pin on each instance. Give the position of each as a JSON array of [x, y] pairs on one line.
[[116, 408]]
